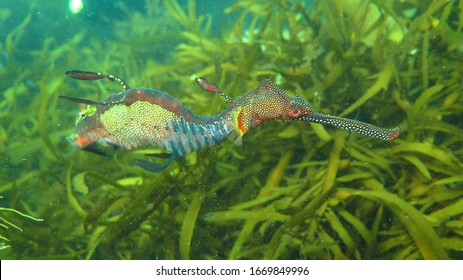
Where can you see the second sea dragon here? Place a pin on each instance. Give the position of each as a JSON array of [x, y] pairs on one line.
[[143, 117]]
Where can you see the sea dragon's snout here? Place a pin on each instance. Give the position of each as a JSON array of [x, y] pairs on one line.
[[388, 134], [302, 111]]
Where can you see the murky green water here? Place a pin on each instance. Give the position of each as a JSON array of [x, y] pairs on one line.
[[292, 190]]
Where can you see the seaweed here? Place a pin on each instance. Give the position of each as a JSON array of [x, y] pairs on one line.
[[292, 191], [6, 224]]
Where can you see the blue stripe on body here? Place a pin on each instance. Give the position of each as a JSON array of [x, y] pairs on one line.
[[172, 147], [166, 143], [204, 134], [219, 130], [225, 127], [195, 135], [179, 141], [213, 134], [188, 134]]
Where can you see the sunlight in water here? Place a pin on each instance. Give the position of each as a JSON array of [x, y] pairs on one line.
[[75, 6]]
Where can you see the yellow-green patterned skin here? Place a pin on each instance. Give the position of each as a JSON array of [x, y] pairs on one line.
[[139, 124]]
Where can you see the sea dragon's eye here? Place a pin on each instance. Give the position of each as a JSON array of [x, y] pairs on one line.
[[299, 107], [294, 113]]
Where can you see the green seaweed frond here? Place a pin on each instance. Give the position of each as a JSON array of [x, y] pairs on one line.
[[6, 224], [293, 190]]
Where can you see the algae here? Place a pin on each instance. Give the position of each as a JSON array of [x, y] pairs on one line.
[[291, 191]]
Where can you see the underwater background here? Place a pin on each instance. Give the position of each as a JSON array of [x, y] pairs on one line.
[[292, 190]]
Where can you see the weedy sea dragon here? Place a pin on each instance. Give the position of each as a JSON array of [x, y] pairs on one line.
[[143, 117]]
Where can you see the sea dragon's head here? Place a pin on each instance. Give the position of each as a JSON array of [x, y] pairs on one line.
[[266, 102]]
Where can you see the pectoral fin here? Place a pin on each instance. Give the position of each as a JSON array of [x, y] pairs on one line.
[[152, 166], [160, 155], [237, 138], [79, 100], [97, 149]]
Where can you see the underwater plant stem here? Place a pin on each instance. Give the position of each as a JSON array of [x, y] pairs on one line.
[[418, 227], [249, 224], [383, 78], [20, 213], [275, 176], [333, 163], [42, 120], [189, 222], [147, 199], [314, 204], [435, 6], [14, 37], [72, 199], [375, 229], [297, 219], [424, 59]]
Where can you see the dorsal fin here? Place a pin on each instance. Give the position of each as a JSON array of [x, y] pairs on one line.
[[154, 167], [80, 100], [87, 75], [210, 87]]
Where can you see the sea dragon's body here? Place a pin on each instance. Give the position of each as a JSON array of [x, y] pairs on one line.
[[142, 117]]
